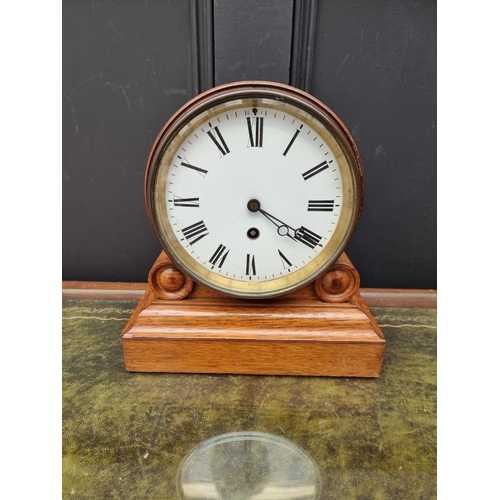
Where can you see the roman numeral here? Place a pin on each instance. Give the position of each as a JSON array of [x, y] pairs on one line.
[[284, 260], [198, 169], [195, 232], [297, 132], [320, 206], [315, 170], [219, 257], [307, 237], [219, 141], [250, 265], [186, 202], [255, 131]]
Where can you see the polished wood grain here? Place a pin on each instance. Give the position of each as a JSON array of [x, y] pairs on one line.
[[167, 282], [340, 283], [325, 333], [277, 337], [254, 357]]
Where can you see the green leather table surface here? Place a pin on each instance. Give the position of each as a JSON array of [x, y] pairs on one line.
[[125, 435]]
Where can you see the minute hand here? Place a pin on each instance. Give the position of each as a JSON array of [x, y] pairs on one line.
[[281, 224], [302, 234]]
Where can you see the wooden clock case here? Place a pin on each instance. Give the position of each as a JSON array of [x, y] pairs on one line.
[[324, 329]]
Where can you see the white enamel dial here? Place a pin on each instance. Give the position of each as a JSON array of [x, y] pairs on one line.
[[253, 196]]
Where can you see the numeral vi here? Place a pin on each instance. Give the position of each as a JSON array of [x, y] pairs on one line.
[[250, 265]]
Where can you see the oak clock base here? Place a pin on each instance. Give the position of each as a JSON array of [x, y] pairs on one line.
[[325, 329]]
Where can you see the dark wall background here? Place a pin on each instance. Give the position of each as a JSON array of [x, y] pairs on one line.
[[128, 65]]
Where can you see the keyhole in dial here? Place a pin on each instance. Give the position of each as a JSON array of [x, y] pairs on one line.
[[253, 233]]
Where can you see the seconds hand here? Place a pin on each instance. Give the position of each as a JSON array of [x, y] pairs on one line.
[[283, 229]]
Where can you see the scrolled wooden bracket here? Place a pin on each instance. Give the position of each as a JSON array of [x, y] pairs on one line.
[[340, 283], [167, 281]]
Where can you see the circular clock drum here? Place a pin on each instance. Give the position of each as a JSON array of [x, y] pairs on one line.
[[254, 189]]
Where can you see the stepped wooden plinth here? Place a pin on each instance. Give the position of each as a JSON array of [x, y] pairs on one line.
[[324, 329]]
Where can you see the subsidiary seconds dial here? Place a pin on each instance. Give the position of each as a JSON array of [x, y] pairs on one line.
[[254, 189]]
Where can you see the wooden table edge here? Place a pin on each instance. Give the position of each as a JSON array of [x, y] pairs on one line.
[[373, 297]]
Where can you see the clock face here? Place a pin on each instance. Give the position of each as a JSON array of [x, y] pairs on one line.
[[253, 195]]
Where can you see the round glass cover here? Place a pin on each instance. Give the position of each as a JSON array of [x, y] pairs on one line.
[[248, 465]]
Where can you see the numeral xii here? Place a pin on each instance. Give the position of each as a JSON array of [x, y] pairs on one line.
[[255, 131]]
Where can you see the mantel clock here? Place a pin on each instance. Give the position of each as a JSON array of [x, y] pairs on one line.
[[254, 190]]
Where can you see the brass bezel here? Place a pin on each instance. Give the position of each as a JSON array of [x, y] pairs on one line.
[[276, 96]]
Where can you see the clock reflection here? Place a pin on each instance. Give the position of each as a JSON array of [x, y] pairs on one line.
[[240, 468], [248, 465]]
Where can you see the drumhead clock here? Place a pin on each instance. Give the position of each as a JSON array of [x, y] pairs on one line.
[[254, 189]]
